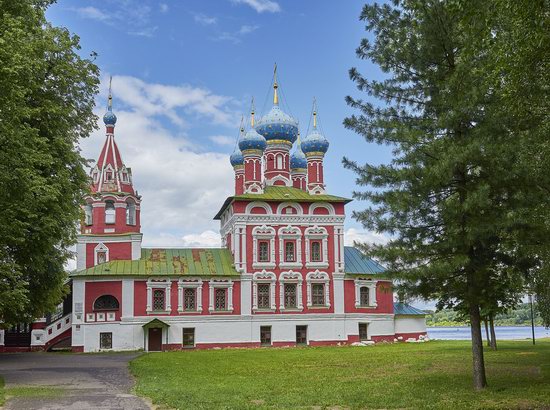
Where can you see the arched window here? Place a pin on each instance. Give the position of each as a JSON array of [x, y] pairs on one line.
[[316, 251], [130, 212], [88, 214], [106, 302], [364, 296], [109, 212]]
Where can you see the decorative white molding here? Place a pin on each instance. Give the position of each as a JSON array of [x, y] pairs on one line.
[[285, 180], [267, 278], [295, 205], [258, 204], [190, 283], [263, 232], [328, 206], [216, 284], [101, 248], [290, 277], [318, 277], [290, 233], [371, 285], [159, 283], [320, 234]]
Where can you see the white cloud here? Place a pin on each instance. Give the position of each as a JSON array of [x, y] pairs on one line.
[[182, 187], [163, 7], [236, 36], [223, 140], [353, 235], [204, 19], [261, 5], [208, 239], [92, 13], [247, 29]]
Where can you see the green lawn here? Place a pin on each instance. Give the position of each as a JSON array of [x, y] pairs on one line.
[[2, 398], [412, 376]]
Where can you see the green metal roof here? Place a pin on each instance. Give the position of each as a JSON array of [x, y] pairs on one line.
[[357, 263], [281, 193], [159, 262], [404, 309]]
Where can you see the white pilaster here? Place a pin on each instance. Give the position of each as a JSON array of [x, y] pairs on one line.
[[79, 295], [338, 281], [127, 298]]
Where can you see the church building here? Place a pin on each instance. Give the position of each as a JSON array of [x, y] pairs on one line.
[[282, 277]]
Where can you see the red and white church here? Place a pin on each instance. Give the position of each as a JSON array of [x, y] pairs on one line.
[[282, 277]]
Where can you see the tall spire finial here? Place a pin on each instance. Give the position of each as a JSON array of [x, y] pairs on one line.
[[275, 86], [241, 128], [314, 113], [252, 113], [110, 104]]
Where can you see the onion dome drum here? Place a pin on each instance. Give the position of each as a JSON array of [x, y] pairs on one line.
[[236, 158], [252, 141], [109, 118], [277, 125], [315, 142], [298, 159]]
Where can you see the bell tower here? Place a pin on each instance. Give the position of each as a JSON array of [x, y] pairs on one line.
[[111, 227]]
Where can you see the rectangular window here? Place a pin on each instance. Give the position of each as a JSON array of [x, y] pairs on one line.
[[263, 251], [263, 296], [290, 255], [265, 335], [188, 337], [290, 296], [316, 251], [189, 299], [318, 294], [158, 299], [220, 299], [106, 340], [301, 335], [364, 296], [363, 332]]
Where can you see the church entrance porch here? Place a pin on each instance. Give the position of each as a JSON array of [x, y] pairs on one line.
[[153, 332]]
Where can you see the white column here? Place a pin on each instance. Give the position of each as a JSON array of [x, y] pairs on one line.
[[78, 312], [246, 294], [338, 283], [80, 254], [127, 298]]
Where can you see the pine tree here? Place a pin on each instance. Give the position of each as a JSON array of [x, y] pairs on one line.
[[457, 195], [46, 100]]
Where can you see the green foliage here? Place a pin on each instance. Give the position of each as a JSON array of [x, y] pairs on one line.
[[46, 97], [519, 316], [431, 375]]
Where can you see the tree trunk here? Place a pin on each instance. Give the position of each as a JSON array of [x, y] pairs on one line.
[[487, 332], [493, 334], [480, 380]]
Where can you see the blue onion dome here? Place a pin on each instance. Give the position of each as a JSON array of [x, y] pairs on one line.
[[298, 159], [252, 141], [236, 158], [109, 118], [278, 125], [315, 142]]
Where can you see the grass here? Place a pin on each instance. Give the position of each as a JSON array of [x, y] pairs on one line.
[[2, 397], [407, 376], [27, 392]]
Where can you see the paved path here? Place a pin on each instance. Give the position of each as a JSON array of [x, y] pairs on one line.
[[89, 381]]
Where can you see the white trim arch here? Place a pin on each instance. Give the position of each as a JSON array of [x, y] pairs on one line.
[[101, 248], [220, 284], [295, 205], [267, 233], [271, 181], [365, 283], [159, 283], [321, 234], [190, 283], [328, 206], [290, 277], [266, 278], [258, 204], [290, 233], [318, 277]]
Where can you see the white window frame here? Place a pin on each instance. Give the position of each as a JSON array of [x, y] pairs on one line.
[[266, 278], [318, 277], [265, 233], [316, 233], [290, 233], [101, 248], [190, 283], [291, 277], [220, 284], [367, 283], [159, 283]]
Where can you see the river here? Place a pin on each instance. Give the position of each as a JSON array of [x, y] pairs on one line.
[[503, 333]]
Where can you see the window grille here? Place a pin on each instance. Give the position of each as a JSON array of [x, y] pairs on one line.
[[188, 337], [364, 296], [130, 213], [289, 252], [290, 295], [263, 252], [265, 335], [189, 299], [158, 299], [109, 212], [363, 336], [220, 302], [316, 251], [263, 296], [106, 302], [106, 340], [301, 335], [318, 294]]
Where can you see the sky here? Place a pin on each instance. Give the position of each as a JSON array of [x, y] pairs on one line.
[[184, 72]]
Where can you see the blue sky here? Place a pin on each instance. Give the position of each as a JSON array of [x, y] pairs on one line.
[[185, 71]]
